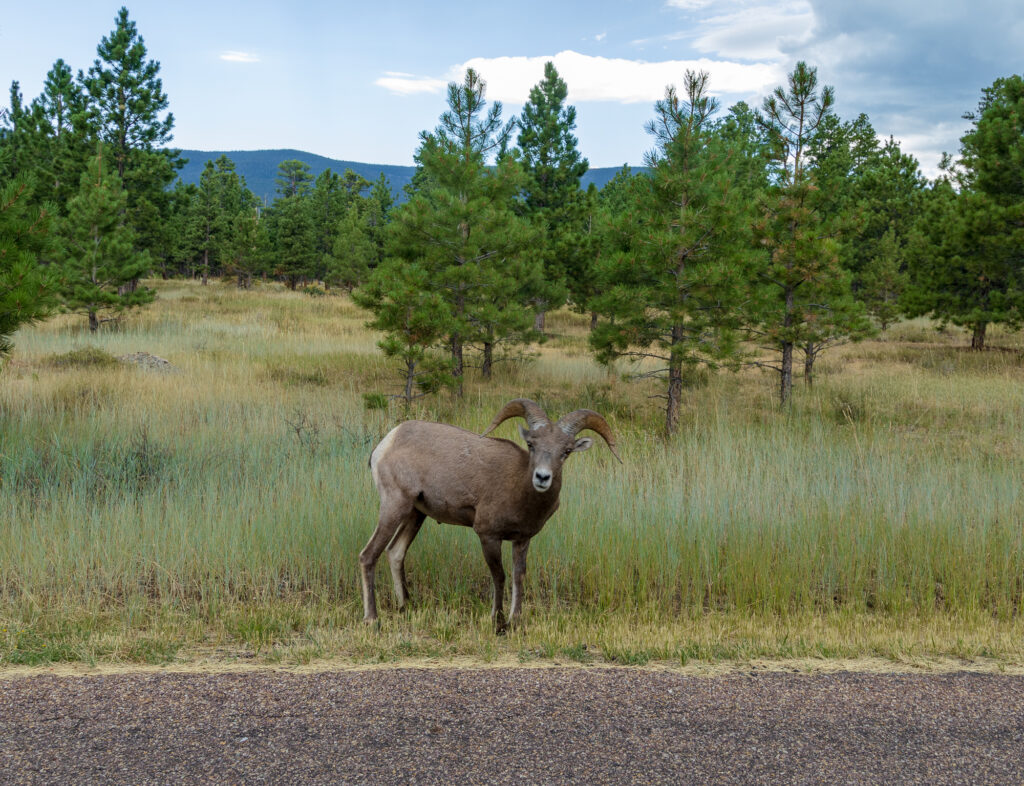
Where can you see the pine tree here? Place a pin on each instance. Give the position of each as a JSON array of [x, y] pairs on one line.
[[209, 222], [18, 142], [804, 298], [460, 226], [293, 178], [61, 121], [353, 252], [293, 239], [329, 202], [968, 269], [553, 166], [888, 192], [673, 289], [883, 280], [870, 196], [414, 318], [126, 95], [27, 288], [219, 199], [378, 212], [249, 247], [126, 103], [97, 254]]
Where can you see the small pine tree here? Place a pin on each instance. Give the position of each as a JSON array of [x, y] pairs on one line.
[[97, 256], [414, 318]]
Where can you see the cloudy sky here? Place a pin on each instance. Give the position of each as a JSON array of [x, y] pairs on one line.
[[359, 80]]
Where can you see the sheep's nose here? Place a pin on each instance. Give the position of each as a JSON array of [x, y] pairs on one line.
[[542, 477]]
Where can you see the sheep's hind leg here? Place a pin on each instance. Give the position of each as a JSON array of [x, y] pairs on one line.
[[396, 550], [492, 554], [391, 518]]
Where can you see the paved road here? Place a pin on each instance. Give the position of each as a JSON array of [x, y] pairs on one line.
[[512, 726]]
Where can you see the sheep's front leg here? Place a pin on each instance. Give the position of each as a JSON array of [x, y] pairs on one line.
[[519, 548], [492, 554]]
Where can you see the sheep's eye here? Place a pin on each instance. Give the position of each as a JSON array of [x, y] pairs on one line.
[[529, 444]]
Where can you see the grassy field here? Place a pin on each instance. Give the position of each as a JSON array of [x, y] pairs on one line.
[[154, 517]]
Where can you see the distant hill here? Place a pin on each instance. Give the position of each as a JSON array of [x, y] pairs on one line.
[[259, 168]]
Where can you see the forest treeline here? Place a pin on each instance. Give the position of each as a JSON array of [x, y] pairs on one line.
[[755, 235]]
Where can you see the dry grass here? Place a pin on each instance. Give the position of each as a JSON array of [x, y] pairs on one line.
[[158, 517]]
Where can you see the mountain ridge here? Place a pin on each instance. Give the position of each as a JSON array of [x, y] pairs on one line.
[[259, 168]]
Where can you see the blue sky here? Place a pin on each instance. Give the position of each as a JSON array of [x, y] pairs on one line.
[[358, 81]]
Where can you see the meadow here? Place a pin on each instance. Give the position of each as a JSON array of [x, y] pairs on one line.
[[217, 510]]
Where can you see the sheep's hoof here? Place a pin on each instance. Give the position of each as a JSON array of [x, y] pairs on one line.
[[500, 625], [372, 622]]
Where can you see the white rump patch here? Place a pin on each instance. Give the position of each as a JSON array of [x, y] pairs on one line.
[[378, 454]]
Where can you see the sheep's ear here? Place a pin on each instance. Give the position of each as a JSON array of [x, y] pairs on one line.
[[523, 432], [583, 444]]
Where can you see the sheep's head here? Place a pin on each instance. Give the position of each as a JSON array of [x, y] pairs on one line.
[[551, 443]]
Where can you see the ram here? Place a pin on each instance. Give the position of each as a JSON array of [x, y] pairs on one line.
[[454, 476]]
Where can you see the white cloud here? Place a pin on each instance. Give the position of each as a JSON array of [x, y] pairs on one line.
[[410, 84], [593, 78], [239, 57], [688, 5], [600, 36]]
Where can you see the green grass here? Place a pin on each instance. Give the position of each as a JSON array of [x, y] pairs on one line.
[[150, 516]]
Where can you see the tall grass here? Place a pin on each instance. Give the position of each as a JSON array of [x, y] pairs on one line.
[[239, 482]]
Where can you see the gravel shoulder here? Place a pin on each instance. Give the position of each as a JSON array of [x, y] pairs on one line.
[[511, 725]]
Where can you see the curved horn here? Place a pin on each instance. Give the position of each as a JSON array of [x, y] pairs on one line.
[[519, 408], [575, 422]]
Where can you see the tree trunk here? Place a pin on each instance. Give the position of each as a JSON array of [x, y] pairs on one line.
[[410, 380], [538, 321], [593, 321], [94, 322], [457, 365], [488, 364], [978, 336], [675, 384], [456, 341], [206, 266], [786, 373], [809, 364]]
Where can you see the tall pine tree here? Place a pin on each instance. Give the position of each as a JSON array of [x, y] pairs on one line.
[[460, 226], [803, 298], [673, 289], [553, 166], [127, 112]]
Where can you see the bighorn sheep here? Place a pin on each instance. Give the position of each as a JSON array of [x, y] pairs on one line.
[[457, 477]]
